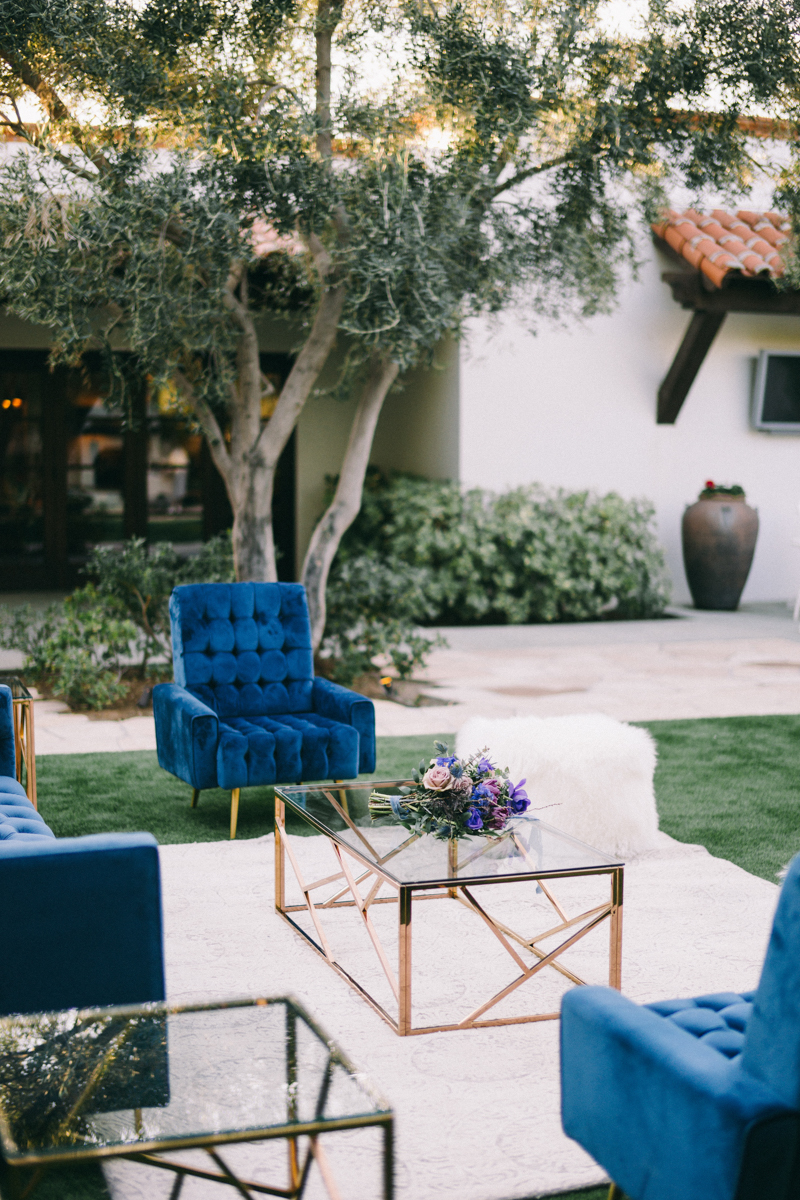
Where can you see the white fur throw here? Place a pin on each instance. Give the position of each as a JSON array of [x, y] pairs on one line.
[[597, 770]]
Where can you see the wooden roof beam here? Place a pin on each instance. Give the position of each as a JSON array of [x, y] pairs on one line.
[[702, 330]]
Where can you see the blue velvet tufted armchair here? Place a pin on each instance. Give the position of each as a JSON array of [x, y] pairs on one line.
[[245, 708], [693, 1099]]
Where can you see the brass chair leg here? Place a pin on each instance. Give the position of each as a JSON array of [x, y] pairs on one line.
[[343, 796], [615, 1193], [234, 811], [195, 796]]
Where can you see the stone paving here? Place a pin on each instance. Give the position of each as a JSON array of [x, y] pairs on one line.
[[693, 664]]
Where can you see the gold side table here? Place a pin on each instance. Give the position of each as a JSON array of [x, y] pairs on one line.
[[150, 1080], [25, 753]]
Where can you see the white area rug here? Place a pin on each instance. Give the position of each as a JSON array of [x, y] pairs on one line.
[[477, 1112]]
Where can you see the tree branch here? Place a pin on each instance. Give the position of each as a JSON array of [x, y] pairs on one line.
[[521, 176], [52, 103], [210, 426], [329, 13], [346, 502], [240, 310]]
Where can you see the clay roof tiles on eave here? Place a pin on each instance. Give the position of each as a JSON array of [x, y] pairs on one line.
[[721, 245]]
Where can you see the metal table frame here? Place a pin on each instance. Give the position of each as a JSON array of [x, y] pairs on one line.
[[356, 869], [22, 712], [299, 1162]]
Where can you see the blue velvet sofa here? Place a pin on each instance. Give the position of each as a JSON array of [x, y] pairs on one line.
[[82, 915], [245, 708], [695, 1099]]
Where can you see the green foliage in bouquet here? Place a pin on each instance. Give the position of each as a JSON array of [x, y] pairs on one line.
[[455, 798], [528, 555]]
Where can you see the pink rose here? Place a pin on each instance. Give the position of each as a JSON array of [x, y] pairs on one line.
[[437, 779], [464, 785]]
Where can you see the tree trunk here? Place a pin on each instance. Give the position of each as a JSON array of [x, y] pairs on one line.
[[248, 458], [248, 464], [346, 502]]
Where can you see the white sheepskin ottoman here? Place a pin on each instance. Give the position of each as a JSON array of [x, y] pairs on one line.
[[597, 770]]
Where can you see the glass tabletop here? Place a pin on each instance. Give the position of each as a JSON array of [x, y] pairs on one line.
[[18, 689], [526, 847], [122, 1080]]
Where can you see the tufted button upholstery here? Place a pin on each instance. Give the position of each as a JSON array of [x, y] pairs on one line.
[[244, 649], [718, 1020], [19, 820]]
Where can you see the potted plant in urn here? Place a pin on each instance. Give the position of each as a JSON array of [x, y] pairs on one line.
[[719, 539]]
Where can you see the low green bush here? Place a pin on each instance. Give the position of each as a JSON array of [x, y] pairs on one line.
[[528, 555], [373, 613], [86, 649], [75, 650]]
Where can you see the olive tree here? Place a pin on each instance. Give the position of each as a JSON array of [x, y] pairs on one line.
[[407, 164]]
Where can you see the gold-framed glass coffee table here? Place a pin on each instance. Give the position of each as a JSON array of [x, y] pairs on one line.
[[148, 1081], [562, 889]]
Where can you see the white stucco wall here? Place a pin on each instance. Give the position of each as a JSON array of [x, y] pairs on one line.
[[576, 408]]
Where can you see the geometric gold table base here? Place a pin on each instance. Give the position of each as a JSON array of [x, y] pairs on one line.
[[23, 1187], [298, 1172], [23, 744], [362, 880]]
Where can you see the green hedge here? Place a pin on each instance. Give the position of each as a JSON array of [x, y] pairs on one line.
[[528, 555]]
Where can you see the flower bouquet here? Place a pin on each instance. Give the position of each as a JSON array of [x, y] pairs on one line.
[[454, 798]]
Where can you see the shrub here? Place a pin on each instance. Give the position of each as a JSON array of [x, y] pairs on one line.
[[372, 614], [75, 649], [81, 648], [528, 555]]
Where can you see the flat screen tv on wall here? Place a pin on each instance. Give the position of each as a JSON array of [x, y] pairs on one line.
[[776, 393]]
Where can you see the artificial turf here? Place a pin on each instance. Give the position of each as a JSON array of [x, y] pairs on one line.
[[128, 791], [730, 783]]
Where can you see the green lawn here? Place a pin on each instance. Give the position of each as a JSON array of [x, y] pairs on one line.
[[96, 793], [732, 784]]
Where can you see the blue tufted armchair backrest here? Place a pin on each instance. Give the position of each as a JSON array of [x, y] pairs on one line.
[[8, 758], [772, 1045], [243, 648]]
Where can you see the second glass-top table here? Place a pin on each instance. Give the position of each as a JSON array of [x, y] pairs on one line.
[[546, 876], [148, 1081]]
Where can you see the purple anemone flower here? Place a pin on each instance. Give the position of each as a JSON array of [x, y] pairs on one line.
[[518, 798], [474, 819]]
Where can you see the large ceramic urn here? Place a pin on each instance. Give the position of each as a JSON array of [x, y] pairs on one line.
[[719, 538]]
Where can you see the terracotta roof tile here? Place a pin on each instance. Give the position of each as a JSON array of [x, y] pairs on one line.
[[720, 244]]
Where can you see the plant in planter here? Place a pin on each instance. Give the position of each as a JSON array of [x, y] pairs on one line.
[[719, 540]]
